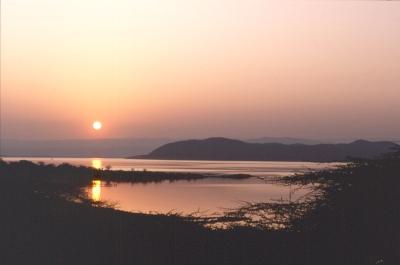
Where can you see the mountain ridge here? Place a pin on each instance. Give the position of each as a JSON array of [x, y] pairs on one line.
[[220, 148]]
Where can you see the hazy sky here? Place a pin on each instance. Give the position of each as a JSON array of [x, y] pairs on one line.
[[182, 68]]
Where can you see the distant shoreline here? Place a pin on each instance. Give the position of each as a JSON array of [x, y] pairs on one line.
[[202, 167], [87, 174], [140, 158]]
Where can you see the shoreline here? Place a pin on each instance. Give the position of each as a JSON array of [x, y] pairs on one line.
[[353, 219]]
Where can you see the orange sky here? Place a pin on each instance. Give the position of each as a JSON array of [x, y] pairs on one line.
[[180, 68]]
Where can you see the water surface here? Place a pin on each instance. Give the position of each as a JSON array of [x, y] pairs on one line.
[[210, 195], [258, 168]]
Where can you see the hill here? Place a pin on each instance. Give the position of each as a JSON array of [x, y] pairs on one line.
[[283, 140], [230, 149]]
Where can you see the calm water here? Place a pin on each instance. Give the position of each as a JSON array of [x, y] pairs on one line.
[[267, 168], [209, 195]]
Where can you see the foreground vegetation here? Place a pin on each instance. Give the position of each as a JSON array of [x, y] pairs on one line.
[[353, 217]]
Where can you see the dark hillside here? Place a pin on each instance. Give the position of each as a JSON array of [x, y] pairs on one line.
[[229, 149]]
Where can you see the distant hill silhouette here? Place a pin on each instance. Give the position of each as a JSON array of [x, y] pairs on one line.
[[283, 140], [229, 149]]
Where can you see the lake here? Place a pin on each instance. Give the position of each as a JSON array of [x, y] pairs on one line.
[[209, 195]]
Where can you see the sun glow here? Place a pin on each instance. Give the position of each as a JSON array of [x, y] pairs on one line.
[[97, 125]]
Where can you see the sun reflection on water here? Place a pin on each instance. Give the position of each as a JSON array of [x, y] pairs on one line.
[[97, 164], [96, 190]]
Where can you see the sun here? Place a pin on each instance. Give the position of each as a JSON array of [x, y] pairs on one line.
[[97, 125]]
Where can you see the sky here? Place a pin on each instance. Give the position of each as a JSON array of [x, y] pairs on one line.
[[195, 69]]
